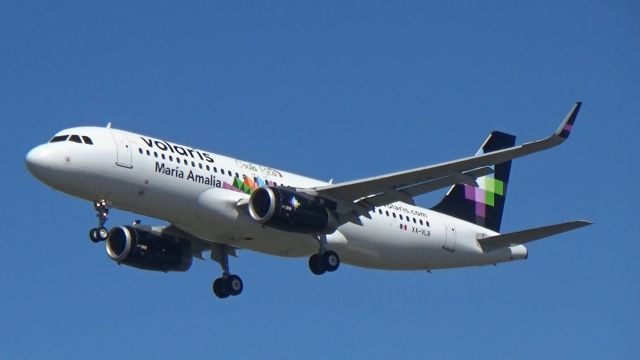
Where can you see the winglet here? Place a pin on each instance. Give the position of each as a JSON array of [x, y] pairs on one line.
[[567, 125]]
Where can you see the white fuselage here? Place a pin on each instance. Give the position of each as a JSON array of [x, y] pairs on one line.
[[199, 191]]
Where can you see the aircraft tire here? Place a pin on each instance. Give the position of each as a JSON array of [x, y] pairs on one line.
[[316, 265], [219, 288], [103, 233], [234, 285], [331, 261], [94, 235]]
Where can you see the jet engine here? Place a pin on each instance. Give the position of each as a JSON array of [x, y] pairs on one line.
[[291, 211], [147, 250]]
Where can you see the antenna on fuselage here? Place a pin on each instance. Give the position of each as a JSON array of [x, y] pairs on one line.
[[109, 125]]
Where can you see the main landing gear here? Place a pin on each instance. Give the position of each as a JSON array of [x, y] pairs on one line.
[[325, 260], [228, 284], [100, 233]]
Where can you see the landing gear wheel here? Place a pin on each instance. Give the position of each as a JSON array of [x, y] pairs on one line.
[[98, 234], [219, 288], [94, 235], [103, 233], [234, 285], [331, 261], [316, 265], [228, 286]]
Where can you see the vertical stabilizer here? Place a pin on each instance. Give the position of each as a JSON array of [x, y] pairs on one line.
[[482, 205]]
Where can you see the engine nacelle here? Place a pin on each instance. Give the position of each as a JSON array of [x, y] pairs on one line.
[[290, 211], [146, 250]]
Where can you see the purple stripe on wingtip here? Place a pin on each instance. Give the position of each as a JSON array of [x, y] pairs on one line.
[[568, 127]]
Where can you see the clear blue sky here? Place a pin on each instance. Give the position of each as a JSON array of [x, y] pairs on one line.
[[339, 90]]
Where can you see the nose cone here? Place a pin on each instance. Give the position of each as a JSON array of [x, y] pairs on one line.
[[38, 160]]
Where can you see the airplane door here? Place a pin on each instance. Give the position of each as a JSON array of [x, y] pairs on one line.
[[450, 237], [123, 149]]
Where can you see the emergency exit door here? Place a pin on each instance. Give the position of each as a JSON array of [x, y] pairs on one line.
[[450, 237], [123, 147]]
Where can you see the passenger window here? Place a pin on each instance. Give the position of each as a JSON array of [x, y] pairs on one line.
[[163, 157], [155, 154], [379, 211], [394, 215], [229, 171], [427, 223], [421, 223], [193, 164], [387, 213], [140, 150], [148, 153], [414, 220], [75, 139], [208, 168], [215, 169], [59, 138], [237, 176], [400, 216], [186, 162], [170, 158], [87, 140]]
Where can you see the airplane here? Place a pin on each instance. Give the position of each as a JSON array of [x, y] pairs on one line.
[[217, 204]]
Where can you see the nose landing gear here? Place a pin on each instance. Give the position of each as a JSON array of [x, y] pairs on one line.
[[100, 233]]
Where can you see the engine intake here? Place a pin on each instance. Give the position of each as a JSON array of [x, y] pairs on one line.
[[146, 250], [290, 211]]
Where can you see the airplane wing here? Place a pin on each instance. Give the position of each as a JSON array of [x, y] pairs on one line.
[[360, 196], [525, 236]]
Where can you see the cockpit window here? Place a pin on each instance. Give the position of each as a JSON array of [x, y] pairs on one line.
[[75, 138], [59, 138]]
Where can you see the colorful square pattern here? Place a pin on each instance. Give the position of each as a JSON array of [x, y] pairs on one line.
[[247, 185], [484, 195]]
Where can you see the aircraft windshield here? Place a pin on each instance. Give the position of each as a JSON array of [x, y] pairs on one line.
[[75, 138]]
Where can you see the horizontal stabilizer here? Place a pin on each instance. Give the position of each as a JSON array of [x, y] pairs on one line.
[[525, 236]]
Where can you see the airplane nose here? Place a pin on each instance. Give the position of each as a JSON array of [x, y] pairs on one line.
[[36, 160]]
